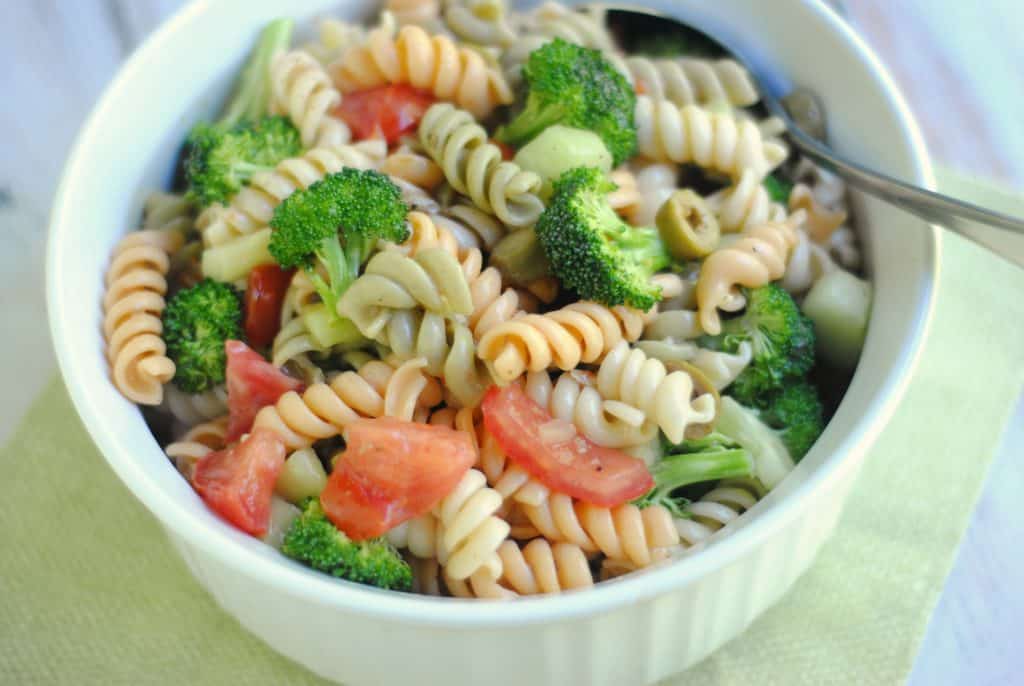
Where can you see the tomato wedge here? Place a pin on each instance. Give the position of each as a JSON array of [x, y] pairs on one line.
[[388, 111], [253, 383], [263, 298], [238, 483], [575, 466], [507, 151], [392, 471]]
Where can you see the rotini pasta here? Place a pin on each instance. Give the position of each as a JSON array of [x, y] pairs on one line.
[[759, 257], [745, 205], [821, 221], [622, 533], [431, 63], [333, 38], [462, 532], [417, 12], [719, 368], [324, 409], [252, 208], [193, 408], [303, 91], [482, 22], [575, 398], [431, 279], [168, 212], [714, 510], [412, 167], [582, 332], [535, 568], [694, 81], [474, 166], [132, 306], [808, 263], [638, 388], [716, 141], [196, 443]]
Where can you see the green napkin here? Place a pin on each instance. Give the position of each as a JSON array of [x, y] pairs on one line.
[[92, 593]]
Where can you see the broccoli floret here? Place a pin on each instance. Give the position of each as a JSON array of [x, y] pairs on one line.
[[711, 458], [221, 161], [197, 321], [222, 157], [575, 86], [778, 189], [592, 250], [335, 223], [315, 541], [795, 412], [781, 337]]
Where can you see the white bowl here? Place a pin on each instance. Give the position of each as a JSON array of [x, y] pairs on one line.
[[633, 630]]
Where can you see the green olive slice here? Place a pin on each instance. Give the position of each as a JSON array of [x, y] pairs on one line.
[[689, 229]]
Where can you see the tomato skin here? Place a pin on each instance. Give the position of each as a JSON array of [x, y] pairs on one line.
[[388, 111], [392, 471], [253, 383], [238, 482], [263, 298], [577, 467]]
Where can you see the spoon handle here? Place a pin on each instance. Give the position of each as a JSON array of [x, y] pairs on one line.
[[934, 208]]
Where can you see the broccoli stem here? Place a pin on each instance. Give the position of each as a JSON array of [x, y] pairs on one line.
[[332, 257], [529, 123], [713, 463], [251, 99]]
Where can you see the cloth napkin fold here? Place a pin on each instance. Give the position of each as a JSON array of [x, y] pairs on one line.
[[91, 592]]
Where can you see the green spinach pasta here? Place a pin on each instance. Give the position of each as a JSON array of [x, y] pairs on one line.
[[480, 303]]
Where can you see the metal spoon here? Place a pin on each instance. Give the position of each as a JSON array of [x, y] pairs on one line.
[[804, 116]]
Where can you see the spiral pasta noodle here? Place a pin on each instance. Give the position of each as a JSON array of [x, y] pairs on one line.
[[412, 167], [430, 63], [193, 408], [535, 568], [582, 332], [668, 399], [505, 477], [491, 303], [716, 141], [714, 510], [333, 38], [625, 532], [252, 207], [471, 226], [757, 258], [474, 166], [719, 368], [324, 409], [482, 22], [168, 212], [575, 398], [821, 221], [745, 205], [808, 262], [418, 12], [302, 90], [462, 532], [201, 439], [134, 300], [694, 81], [432, 280]]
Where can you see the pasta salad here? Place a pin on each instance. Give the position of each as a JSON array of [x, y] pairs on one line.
[[480, 303]]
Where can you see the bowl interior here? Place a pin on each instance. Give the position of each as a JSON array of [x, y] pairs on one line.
[[183, 72]]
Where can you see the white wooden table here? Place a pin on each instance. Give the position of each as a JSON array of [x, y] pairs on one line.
[[959, 66]]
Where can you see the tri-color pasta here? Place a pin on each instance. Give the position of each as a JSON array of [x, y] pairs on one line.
[[426, 339]]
